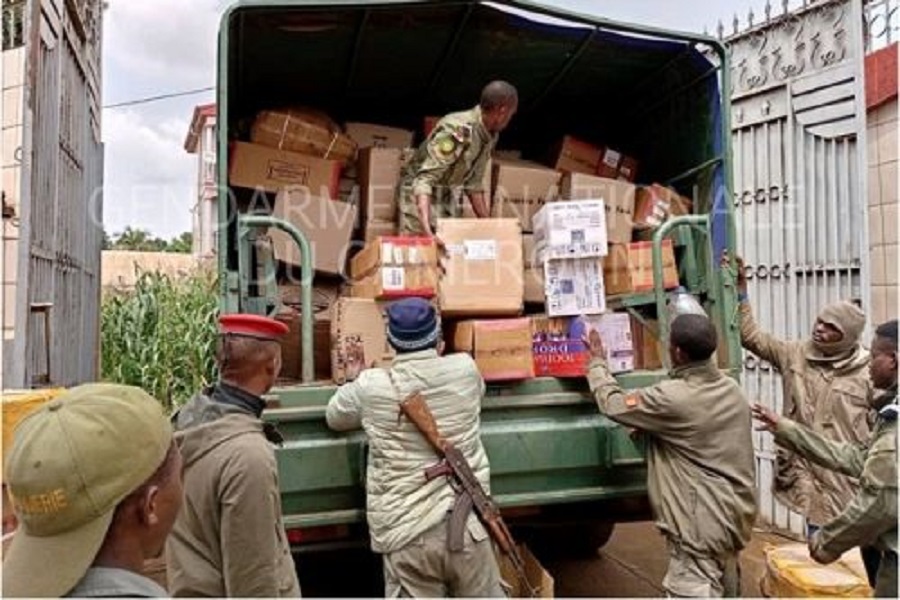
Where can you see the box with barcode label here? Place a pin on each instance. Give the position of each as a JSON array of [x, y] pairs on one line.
[[391, 267], [574, 286], [572, 229], [483, 267]]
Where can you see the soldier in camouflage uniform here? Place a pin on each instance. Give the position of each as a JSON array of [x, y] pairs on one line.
[[452, 160], [870, 518]]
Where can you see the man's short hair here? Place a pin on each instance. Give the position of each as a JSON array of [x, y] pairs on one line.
[[888, 331], [497, 94], [695, 335]]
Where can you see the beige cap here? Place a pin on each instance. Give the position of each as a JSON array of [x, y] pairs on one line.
[[72, 462]]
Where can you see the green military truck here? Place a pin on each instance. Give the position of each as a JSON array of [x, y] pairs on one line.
[[562, 473]]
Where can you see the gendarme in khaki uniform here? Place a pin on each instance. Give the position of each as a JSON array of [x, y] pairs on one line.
[[827, 394], [451, 161], [700, 469], [870, 517]]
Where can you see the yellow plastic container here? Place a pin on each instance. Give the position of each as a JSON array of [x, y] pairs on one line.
[[792, 573], [17, 404]]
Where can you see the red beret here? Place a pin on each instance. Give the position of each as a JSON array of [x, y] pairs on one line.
[[251, 326]]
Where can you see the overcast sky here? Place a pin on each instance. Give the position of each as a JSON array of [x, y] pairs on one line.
[[155, 47]]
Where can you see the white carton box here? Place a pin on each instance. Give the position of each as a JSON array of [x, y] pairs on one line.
[[574, 286], [615, 331], [572, 229]]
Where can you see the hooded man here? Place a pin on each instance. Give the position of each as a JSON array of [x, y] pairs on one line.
[[453, 158], [700, 463], [870, 518], [826, 388], [95, 481], [407, 514], [230, 540]]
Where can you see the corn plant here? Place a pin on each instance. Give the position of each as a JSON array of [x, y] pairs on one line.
[[161, 335]]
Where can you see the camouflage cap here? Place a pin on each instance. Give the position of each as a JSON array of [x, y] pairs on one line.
[[71, 463]]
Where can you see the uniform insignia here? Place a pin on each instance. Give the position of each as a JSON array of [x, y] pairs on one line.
[[446, 146], [632, 400]]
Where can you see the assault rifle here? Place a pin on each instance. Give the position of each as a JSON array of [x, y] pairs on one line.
[[470, 494]]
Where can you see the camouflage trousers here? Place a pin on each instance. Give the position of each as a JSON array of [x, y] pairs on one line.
[[692, 576], [425, 568]]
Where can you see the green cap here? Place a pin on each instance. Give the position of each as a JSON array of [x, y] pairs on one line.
[[72, 462]]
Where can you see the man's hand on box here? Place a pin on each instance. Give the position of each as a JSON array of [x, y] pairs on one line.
[[594, 345]]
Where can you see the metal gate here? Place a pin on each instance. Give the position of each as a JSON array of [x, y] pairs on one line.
[[798, 127], [58, 294]]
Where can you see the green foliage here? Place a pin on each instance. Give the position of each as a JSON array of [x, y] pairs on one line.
[[141, 240], [161, 336]]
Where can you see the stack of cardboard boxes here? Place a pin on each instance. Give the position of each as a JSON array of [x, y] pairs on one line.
[[519, 291]]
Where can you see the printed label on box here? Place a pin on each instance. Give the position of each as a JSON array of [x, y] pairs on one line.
[[480, 249], [393, 278]]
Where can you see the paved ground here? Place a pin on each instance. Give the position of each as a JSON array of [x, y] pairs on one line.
[[633, 562]]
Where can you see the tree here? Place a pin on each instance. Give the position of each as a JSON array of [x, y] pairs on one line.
[[141, 240], [183, 244]]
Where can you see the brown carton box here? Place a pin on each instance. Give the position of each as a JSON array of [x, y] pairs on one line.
[[379, 172], [538, 578], [534, 285], [576, 156], [520, 189], [394, 251], [391, 283], [628, 268], [483, 269], [608, 165], [618, 200], [358, 338], [368, 135], [257, 166], [302, 130], [371, 230], [628, 169], [291, 348], [655, 203], [647, 348], [501, 348], [327, 224]]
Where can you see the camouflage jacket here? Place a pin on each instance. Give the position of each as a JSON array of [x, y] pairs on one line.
[[831, 399], [870, 517], [452, 159]]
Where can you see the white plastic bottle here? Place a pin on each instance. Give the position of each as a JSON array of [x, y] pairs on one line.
[[681, 302]]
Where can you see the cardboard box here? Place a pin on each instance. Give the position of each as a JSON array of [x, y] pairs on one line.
[[628, 268], [559, 350], [628, 169], [257, 166], [303, 130], [608, 165], [520, 189], [483, 269], [394, 251], [647, 348], [396, 267], [655, 203], [618, 201], [529, 250], [327, 224], [574, 286], [534, 285], [379, 173], [538, 578], [291, 347], [367, 135], [358, 338], [391, 283], [576, 156], [371, 230], [501, 348], [573, 229]]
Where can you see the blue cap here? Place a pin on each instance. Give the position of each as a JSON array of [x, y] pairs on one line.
[[412, 325]]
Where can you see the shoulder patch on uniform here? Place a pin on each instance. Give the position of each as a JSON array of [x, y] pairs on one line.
[[445, 146], [632, 400]]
